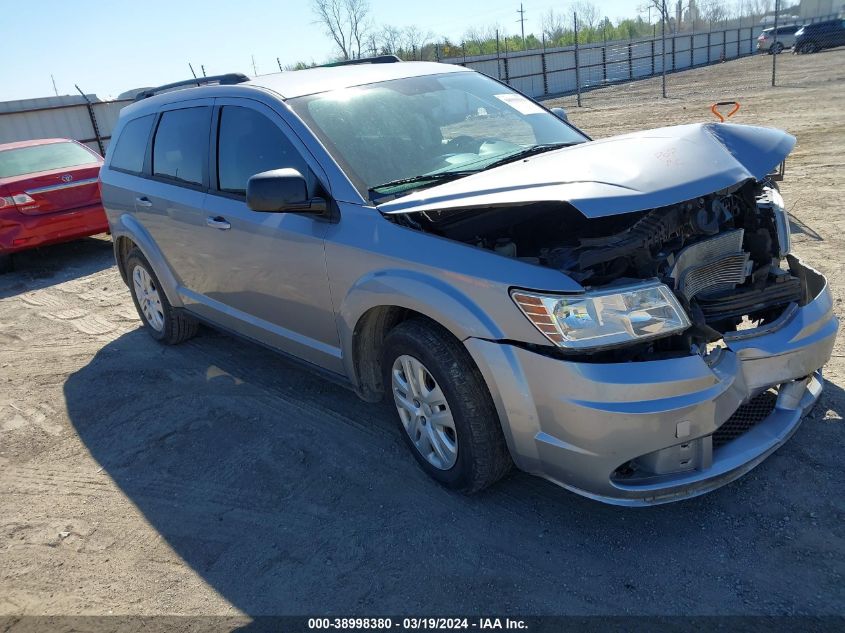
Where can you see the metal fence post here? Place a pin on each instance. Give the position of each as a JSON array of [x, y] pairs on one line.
[[653, 72], [577, 63], [663, 48], [692, 49], [545, 69], [775, 43], [498, 62], [93, 117]]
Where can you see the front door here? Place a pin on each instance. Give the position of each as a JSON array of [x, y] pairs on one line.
[[262, 274]]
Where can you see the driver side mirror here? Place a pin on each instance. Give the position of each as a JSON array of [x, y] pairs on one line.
[[561, 114], [282, 190]]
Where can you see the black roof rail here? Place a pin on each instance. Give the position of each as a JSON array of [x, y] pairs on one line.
[[229, 79], [378, 59]]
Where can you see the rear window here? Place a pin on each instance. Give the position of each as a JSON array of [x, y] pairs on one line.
[[28, 160], [132, 145], [180, 149]]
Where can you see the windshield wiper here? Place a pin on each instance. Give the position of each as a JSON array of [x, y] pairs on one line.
[[526, 152], [437, 177]]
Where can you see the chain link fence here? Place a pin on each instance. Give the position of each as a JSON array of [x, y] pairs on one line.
[[668, 64]]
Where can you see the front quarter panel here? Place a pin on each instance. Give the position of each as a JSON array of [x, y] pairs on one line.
[[373, 262]]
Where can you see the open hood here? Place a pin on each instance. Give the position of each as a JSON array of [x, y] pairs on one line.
[[621, 174]]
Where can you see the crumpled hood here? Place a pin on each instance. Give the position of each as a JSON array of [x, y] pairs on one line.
[[621, 174]]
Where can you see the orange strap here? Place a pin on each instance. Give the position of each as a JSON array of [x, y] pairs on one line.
[[715, 109]]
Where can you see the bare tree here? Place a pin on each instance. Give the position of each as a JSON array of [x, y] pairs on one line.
[[391, 39], [553, 25], [587, 12], [345, 22], [414, 39], [761, 7], [713, 10]]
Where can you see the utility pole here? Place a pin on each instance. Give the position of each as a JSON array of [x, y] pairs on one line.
[[202, 67], [521, 21], [53, 79], [280, 65]]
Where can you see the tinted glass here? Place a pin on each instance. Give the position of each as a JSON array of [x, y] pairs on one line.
[[180, 149], [248, 144], [28, 160], [132, 145]]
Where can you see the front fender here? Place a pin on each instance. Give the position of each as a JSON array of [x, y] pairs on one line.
[[430, 296], [128, 226]]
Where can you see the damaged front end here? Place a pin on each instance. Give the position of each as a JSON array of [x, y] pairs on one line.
[[697, 344], [690, 208], [723, 256]]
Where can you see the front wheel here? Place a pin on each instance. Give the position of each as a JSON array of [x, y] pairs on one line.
[[445, 410]]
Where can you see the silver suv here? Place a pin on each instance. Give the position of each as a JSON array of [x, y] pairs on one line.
[[622, 317]]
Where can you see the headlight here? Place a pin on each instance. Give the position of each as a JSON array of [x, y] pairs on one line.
[[781, 223], [607, 318]]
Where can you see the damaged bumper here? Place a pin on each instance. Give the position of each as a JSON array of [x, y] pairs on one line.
[[658, 431]]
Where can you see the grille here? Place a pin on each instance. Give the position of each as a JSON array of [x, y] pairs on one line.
[[745, 417]]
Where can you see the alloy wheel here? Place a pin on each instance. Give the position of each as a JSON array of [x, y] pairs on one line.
[[148, 298], [424, 412]]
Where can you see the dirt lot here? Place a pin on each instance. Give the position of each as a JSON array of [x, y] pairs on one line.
[[216, 478]]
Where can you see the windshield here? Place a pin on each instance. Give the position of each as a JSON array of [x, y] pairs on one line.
[[28, 160], [418, 126]]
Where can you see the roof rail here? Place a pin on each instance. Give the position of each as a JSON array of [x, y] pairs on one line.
[[378, 59], [228, 79]]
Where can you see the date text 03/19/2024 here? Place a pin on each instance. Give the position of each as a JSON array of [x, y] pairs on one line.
[[415, 624]]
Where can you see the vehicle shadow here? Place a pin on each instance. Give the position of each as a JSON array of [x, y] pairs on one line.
[[288, 495], [51, 265]]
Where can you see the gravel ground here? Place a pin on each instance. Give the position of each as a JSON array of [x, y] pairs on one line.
[[217, 478]]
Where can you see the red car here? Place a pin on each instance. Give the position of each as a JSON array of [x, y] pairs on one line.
[[49, 193]]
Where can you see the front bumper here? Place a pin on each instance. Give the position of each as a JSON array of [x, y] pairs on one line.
[[641, 433]]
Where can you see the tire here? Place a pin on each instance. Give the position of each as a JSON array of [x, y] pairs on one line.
[[777, 49], [163, 323], [7, 264], [482, 456]]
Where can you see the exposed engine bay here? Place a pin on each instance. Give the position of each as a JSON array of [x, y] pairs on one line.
[[723, 254]]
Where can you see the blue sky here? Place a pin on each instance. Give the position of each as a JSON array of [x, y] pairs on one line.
[[109, 47]]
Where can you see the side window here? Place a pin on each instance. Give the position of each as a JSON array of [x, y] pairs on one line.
[[132, 145], [249, 143], [180, 148]]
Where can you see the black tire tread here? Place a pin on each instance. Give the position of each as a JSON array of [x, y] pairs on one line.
[[178, 326], [490, 458]]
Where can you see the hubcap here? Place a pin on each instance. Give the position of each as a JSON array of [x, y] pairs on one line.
[[424, 412], [148, 298]]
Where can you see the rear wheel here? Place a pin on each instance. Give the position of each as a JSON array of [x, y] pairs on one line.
[[164, 324], [777, 49], [445, 410], [809, 47]]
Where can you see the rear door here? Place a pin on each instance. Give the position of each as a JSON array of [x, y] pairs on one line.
[[57, 176], [170, 206], [264, 274]]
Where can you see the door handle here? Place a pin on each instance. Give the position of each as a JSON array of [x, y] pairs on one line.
[[218, 222], [143, 202]]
